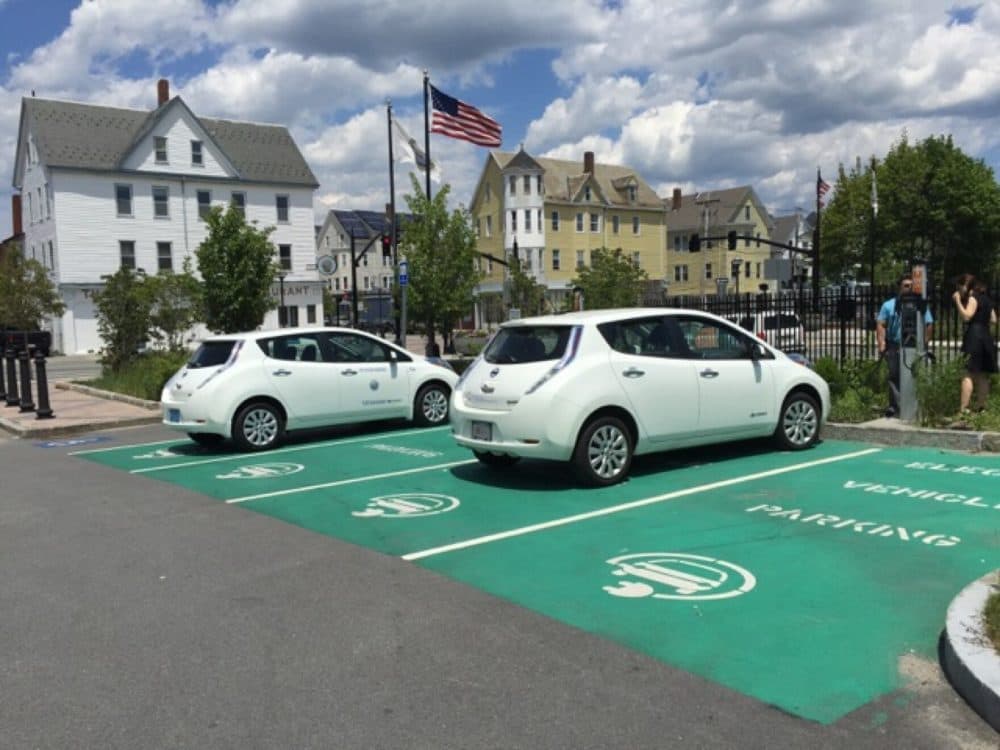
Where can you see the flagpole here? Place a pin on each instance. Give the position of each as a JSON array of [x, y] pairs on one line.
[[427, 134], [816, 244], [871, 250], [392, 213]]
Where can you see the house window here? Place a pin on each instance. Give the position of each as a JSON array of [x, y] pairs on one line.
[[489, 193], [615, 224], [513, 221], [164, 257], [595, 222], [746, 212], [204, 203], [708, 270], [631, 193], [239, 202], [635, 225], [52, 256], [285, 257], [368, 282], [527, 185], [489, 265], [680, 273], [555, 221], [555, 259], [310, 313], [527, 220], [126, 251], [281, 203], [123, 199], [677, 243], [479, 227], [579, 222], [746, 241], [636, 259], [489, 226], [541, 187], [31, 208], [48, 200], [586, 193], [758, 270], [746, 269], [513, 185], [197, 159], [336, 284], [161, 202], [539, 220], [579, 259], [160, 148]]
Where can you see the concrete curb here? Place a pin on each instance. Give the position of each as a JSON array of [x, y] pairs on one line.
[[22, 431], [970, 661], [960, 440], [110, 395]]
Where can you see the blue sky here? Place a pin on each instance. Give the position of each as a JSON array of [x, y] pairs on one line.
[[696, 94]]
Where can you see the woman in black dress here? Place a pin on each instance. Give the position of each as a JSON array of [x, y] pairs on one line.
[[978, 311]]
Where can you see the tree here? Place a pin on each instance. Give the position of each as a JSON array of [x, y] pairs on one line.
[[525, 293], [935, 204], [238, 269], [27, 294], [611, 280], [440, 249], [176, 305], [124, 305]]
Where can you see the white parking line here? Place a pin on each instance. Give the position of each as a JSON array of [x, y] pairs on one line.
[[293, 449], [629, 506], [120, 447], [354, 480]]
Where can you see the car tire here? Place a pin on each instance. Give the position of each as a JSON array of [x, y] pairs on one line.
[[798, 422], [206, 439], [498, 460], [430, 407], [603, 453], [258, 426]]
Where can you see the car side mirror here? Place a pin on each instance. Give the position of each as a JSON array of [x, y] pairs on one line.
[[754, 348]]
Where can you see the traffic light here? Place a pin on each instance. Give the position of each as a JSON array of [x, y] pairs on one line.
[[387, 246], [732, 240], [694, 243]]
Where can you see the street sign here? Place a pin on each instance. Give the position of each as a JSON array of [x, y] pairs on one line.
[[404, 273]]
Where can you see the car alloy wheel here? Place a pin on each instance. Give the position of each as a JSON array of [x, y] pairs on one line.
[[432, 405], [798, 426], [603, 453], [257, 427]]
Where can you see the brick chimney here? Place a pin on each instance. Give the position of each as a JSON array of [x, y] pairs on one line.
[[588, 162], [15, 212], [677, 199], [162, 92]]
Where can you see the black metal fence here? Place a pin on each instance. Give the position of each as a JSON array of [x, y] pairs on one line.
[[840, 322]]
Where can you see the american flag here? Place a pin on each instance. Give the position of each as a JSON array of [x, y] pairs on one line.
[[457, 119], [821, 188]]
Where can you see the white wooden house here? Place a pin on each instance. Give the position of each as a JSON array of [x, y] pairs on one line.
[[103, 187]]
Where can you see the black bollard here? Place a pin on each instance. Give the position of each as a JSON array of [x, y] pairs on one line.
[[12, 398], [25, 363], [42, 381]]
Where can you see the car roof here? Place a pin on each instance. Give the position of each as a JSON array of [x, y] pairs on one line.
[[254, 335], [596, 317]]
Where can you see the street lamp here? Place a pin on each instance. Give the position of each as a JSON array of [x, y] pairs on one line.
[[282, 313]]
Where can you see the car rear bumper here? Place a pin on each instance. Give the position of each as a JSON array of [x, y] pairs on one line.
[[530, 430]]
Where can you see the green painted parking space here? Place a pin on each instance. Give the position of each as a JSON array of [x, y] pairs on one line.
[[803, 579]]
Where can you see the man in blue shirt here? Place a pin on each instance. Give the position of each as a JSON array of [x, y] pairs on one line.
[[887, 332]]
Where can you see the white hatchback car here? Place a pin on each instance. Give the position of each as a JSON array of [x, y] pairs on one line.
[[254, 386], [598, 387]]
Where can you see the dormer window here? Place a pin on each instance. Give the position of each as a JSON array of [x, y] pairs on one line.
[[586, 193], [527, 185], [160, 148], [197, 158], [631, 193]]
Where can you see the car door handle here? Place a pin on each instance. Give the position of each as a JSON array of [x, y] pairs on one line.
[[633, 372], [709, 373], [282, 372], [349, 372]]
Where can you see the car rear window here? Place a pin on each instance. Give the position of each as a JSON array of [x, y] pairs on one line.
[[211, 354], [772, 322], [520, 344]]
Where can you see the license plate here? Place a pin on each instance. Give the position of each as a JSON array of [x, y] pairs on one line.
[[173, 415], [482, 431]]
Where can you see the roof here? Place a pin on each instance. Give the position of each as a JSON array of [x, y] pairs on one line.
[[723, 208], [564, 178], [784, 227], [365, 224], [86, 136], [597, 317]]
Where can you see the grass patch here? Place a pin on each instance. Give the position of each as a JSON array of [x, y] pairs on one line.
[[143, 377], [991, 617]]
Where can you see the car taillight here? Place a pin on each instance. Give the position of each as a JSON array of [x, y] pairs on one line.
[[571, 348]]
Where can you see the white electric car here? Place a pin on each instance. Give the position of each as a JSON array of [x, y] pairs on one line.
[[598, 387], [253, 387]]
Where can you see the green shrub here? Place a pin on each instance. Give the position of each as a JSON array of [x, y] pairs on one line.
[[991, 616], [144, 377], [938, 391], [854, 405]]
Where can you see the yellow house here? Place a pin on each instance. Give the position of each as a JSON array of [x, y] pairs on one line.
[[554, 213], [712, 215]]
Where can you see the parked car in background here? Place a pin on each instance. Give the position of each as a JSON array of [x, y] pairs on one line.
[[782, 330], [596, 388], [37, 341], [254, 387]]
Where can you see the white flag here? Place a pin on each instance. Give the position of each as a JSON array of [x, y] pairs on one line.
[[411, 152]]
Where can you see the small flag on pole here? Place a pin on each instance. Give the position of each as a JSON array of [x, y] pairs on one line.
[[411, 151], [457, 119], [821, 189]]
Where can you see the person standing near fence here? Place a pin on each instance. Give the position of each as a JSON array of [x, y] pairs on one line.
[[978, 311], [888, 332]]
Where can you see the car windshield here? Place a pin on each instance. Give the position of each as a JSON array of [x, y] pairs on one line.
[[520, 344], [771, 322], [211, 354]]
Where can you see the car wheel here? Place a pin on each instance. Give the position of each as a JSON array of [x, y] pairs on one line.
[[603, 453], [798, 422], [207, 439], [257, 427], [430, 407], [495, 459]]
